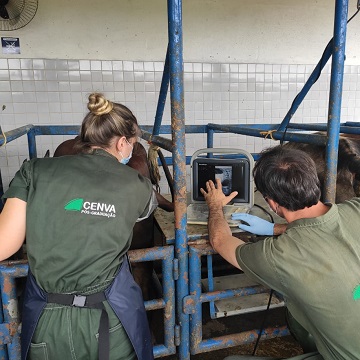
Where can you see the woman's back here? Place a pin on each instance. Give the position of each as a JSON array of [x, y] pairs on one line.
[[80, 218]]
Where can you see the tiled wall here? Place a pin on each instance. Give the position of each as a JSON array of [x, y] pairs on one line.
[[41, 91]]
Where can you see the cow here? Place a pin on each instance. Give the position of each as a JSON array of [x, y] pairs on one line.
[[348, 168]]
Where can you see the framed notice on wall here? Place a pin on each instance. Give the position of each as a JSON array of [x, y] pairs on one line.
[[10, 45]]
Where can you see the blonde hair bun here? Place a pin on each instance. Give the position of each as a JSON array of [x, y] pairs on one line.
[[98, 105]]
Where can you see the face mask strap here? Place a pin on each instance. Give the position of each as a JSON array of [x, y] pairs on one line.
[[129, 143], [125, 160]]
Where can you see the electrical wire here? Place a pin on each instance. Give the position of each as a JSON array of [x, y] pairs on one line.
[[265, 211], [271, 291], [263, 323]]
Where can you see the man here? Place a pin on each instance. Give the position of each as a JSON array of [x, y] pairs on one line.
[[314, 262]]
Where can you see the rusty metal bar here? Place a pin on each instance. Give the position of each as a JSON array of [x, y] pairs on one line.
[[166, 254], [336, 82], [192, 305], [179, 169], [242, 338], [8, 273], [158, 140], [162, 96]]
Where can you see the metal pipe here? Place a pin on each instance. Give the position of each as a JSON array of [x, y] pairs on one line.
[[277, 135], [179, 169], [346, 129], [32, 144], [10, 304], [226, 294], [166, 254], [154, 304], [352, 123], [336, 82], [158, 140], [210, 277], [162, 96], [210, 137], [169, 297], [5, 337], [193, 306], [242, 338], [195, 291], [14, 134], [307, 86], [57, 129], [189, 129]]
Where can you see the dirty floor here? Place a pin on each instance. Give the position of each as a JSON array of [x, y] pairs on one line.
[[280, 347]]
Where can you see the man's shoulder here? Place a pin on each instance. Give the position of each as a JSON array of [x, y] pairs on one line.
[[349, 205]]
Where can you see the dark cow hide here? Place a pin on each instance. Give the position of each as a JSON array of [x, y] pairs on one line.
[[348, 170]]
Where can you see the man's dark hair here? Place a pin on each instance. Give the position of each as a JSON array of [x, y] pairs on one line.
[[287, 176]]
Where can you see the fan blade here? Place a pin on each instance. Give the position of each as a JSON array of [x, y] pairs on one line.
[[3, 12], [13, 8]]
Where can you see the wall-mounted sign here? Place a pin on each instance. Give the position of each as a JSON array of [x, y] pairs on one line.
[[10, 45]]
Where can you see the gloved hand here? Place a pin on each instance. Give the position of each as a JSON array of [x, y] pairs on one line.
[[256, 225]]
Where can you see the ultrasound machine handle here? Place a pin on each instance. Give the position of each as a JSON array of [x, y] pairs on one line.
[[223, 151]]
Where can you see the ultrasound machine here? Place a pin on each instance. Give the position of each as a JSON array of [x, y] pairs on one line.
[[234, 168]]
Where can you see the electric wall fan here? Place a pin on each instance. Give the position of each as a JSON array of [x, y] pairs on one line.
[[15, 14]]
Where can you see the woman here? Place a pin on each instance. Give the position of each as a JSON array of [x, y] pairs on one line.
[[78, 213]]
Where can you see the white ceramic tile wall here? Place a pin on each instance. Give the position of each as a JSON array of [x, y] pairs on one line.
[[42, 91]]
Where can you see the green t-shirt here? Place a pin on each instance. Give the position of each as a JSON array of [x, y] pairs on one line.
[[80, 214], [315, 264]]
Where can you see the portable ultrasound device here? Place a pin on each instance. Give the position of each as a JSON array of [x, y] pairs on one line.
[[234, 168]]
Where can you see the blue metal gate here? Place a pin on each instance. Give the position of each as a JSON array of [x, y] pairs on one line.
[[181, 265]]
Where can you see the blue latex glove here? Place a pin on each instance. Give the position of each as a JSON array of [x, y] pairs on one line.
[[256, 225]]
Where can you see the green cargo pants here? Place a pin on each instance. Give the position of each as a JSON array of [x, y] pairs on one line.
[[66, 332]]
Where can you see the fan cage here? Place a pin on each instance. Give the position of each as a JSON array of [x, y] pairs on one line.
[[21, 12]]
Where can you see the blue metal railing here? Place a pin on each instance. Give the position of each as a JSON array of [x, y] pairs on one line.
[[193, 306], [173, 74], [10, 326]]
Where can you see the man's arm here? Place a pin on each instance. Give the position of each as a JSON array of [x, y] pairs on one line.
[[220, 235], [12, 227]]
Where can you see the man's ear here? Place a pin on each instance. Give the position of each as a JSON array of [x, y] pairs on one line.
[[273, 204]]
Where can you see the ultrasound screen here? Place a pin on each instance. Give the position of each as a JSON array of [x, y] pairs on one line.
[[233, 173]]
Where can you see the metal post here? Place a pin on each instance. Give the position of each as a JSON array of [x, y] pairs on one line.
[[162, 96], [195, 291], [337, 72], [179, 161], [307, 86], [8, 273], [210, 138], [32, 144]]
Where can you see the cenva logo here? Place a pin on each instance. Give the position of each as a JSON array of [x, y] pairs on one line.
[[91, 208]]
